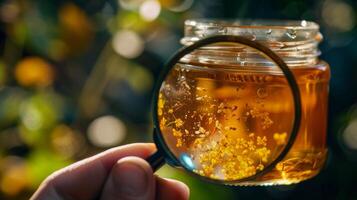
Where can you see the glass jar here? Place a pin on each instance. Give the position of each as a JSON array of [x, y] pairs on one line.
[[250, 105]]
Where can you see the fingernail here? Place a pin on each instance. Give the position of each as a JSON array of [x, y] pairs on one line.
[[131, 179]]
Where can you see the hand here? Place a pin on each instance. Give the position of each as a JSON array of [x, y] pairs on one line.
[[118, 173]]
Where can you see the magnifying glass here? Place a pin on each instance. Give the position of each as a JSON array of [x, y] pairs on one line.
[[222, 116]]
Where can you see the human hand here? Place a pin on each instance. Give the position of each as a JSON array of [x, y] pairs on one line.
[[118, 173]]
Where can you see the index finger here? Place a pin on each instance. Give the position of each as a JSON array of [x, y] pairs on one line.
[[84, 179]]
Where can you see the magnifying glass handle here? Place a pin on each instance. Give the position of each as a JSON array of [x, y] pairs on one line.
[[156, 160]]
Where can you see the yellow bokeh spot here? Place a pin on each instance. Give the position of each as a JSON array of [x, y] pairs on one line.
[[76, 28], [14, 180], [168, 3], [34, 71], [65, 141]]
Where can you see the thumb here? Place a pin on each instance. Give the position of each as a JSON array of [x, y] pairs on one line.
[[130, 178]]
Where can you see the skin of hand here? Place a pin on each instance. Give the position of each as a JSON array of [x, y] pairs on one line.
[[118, 173]]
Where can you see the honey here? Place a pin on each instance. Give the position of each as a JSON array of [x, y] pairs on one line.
[[232, 129], [226, 113]]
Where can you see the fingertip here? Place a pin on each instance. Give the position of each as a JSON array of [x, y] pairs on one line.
[[182, 187], [110, 157], [149, 146], [136, 149], [172, 189]]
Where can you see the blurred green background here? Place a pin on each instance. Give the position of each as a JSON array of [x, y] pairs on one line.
[[76, 78]]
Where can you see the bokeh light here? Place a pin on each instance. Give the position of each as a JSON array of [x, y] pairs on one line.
[[15, 177], [38, 114], [130, 4], [34, 71], [347, 133], [106, 131], [77, 31], [150, 10], [338, 15], [9, 11], [128, 44], [140, 79], [350, 135], [66, 141], [42, 162], [11, 100], [181, 5], [32, 118]]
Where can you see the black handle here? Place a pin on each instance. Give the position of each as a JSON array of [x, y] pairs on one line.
[[156, 160]]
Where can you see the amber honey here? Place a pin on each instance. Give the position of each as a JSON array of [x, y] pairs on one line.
[[233, 124]]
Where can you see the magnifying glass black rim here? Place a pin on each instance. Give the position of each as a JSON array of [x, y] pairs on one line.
[[170, 158]]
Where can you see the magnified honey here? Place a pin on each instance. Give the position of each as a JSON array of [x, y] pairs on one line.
[[231, 124]]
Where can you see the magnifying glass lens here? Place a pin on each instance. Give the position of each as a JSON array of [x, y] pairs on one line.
[[225, 111]]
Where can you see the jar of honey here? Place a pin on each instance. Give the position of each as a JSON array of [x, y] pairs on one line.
[[230, 113]]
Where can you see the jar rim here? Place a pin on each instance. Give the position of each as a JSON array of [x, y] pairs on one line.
[[256, 29], [254, 23], [295, 41]]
